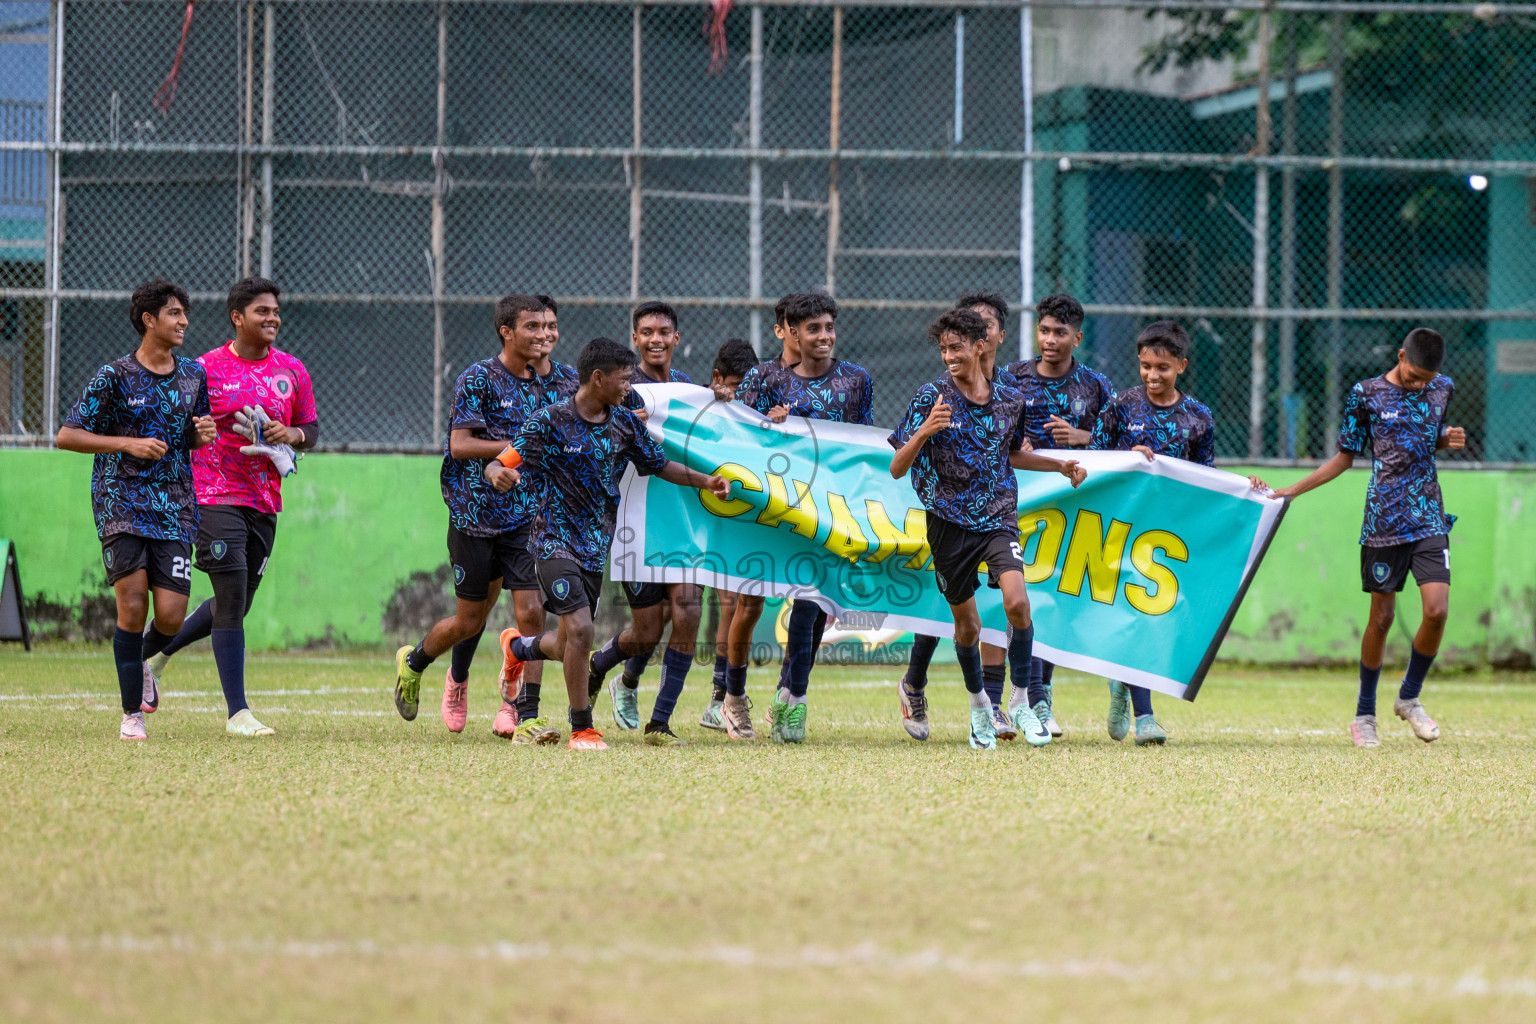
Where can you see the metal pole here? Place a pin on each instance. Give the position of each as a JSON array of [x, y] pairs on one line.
[[755, 188], [55, 225], [634, 177], [959, 77], [439, 232], [1027, 185], [1335, 224], [248, 187], [1289, 401], [1258, 384], [834, 200], [267, 98]]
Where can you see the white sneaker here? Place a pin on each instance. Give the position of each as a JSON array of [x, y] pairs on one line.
[[133, 727], [245, 724], [1363, 731], [1412, 712]]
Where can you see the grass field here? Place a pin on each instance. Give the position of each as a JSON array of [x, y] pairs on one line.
[[356, 867]]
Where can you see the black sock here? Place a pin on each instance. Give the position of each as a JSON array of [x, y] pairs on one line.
[[1413, 679], [528, 648], [155, 641], [720, 664], [634, 667], [992, 682], [607, 657], [806, 622], [581, 718], [1021, 659], [194, 627], [674, 674], [1365, 704], [126, 652], [229, 654], [1141, 700], [969, 657], [419, 659], [528, 702], [464, 656], [919, 658], [736, 680]]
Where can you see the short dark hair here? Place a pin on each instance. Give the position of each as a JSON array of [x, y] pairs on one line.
[[603, 354], [965, 322], [549, 304], [1165, 336], [151, 297], [1061, 307], [510, 307], [780, 308], [735, 358], [997, 302], [652, 309], [247, 290], [807, 306], [1425, 349]]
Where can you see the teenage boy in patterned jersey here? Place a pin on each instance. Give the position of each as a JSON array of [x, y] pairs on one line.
[[1154, 419], [140, 416], [576, 452], [488, 514], [818, 387], [1399, 420], [962, 438], [1062, 402], [655, 338], [265, 409], [732, 363]]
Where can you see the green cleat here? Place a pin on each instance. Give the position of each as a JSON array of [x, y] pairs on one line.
[[778, 711], [1030, 726], [983, 734], [407, 686], [1148, 732], [794, 722], [1047, 718], [535, 732], [660, 734], [714, 716], [1119, 711], [626, 705]]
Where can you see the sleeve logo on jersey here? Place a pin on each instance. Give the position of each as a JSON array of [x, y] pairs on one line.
[[561, 589], [218, 549], [1380, 571]]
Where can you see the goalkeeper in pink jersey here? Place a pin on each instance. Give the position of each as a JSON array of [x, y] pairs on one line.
[[265, 410]]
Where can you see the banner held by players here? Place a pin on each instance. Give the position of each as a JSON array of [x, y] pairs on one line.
[[1134, 576]]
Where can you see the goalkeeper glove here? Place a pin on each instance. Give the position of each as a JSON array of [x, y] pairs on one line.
[[249, 422]]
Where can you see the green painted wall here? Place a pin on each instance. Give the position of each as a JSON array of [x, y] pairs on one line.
[[357, 526]]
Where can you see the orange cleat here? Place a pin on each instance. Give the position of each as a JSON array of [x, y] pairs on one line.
[[587, 739], [455, 702], [511, 668], [505, 725]]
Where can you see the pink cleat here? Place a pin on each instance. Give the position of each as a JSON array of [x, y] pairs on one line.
[[455, 702], [132, 727], [505, 725]]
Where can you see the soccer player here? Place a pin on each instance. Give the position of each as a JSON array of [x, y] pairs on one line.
[[818, 387], [576, 452], [1154, 419], [489, 513], [655, 338], [962, 437], [141, 415], [732, 363], [1399, 420], [265, 409]]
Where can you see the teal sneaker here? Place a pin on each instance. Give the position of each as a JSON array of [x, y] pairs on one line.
[[1119, 711], [983, 734], [626, 705], [1042, 710], [778, 711], [714, 716], [407, 685], [1030, 726], [794, 722], [1148, 732]]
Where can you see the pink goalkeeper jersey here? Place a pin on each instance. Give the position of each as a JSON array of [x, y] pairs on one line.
[[280, 385]]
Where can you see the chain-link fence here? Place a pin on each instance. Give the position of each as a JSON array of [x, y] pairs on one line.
[[396, 166]]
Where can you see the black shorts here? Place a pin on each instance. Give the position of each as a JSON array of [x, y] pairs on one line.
[[235, 538], [644, 595], [1385, 570], [567, 586], [478, 560], [169, 562], [958, 554]]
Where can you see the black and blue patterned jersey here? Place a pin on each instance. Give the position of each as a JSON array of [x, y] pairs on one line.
[[1078, 396], [639, 376], [576, 467], [144, 497], [1183, 430], [493, 402], [844, 394], [752, 384], [1399, 429], [962, 474]]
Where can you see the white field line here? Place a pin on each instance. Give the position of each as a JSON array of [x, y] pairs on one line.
[[321, 692], [865, 957]]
